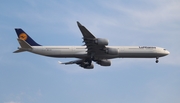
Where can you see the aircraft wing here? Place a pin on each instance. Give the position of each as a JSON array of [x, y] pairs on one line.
[[85, 32], [95, 46], [81, 62], [91, 41], [71, 62]]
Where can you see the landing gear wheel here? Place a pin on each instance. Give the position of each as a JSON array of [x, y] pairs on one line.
[[89, 62], [157, 60]]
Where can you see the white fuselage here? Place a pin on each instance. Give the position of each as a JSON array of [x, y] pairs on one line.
[[80, 52]]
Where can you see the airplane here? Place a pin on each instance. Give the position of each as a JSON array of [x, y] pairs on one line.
[[94, 50]]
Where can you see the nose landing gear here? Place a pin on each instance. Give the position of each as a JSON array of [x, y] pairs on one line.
[[157, 60]]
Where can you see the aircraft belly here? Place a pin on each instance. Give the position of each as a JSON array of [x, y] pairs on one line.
[[137, 55], [129, 54]]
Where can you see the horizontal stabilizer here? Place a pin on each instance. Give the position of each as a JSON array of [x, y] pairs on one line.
[[24, 46], [19, 50]]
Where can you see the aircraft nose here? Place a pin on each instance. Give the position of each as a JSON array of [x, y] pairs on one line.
[[167, 52]]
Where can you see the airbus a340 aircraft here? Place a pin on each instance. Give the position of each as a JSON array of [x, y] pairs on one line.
[[95, 49]]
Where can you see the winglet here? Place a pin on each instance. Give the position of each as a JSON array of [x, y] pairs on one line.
[[78, 23], [60, 62]]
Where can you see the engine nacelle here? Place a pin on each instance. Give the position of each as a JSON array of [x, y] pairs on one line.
[[100, 41], [112, 51], [104, 62], [87, 66]]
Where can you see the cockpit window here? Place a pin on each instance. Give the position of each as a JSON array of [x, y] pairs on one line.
[[164, 49]]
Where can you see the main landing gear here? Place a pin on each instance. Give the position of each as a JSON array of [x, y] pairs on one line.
[[157, 60]]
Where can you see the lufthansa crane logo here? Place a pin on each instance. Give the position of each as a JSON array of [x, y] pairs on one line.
[[23, 36]]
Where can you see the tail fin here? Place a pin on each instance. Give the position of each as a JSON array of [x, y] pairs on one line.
[[24, 44], [24, 36]]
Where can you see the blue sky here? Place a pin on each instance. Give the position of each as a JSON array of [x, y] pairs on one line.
[[30, 78]]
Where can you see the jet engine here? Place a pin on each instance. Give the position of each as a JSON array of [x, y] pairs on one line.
[[100, 41], [104, 62], [87, 66], [112, 51]]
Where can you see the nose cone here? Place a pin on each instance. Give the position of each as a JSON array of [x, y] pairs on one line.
[[167, 52], [162, 52]]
